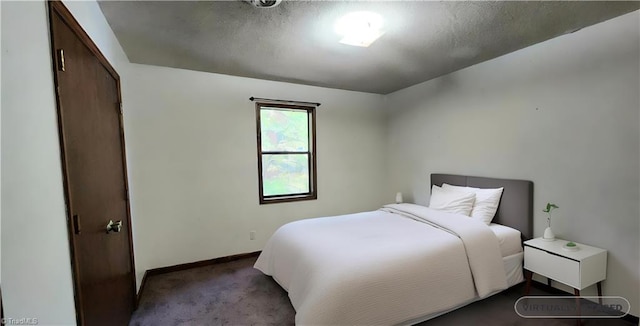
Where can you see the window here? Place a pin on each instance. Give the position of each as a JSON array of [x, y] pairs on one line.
[[286, 152]]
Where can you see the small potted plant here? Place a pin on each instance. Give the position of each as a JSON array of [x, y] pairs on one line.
[[548, 233]]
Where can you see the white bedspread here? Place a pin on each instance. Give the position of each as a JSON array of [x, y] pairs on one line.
[[509, 239], [382, 267]]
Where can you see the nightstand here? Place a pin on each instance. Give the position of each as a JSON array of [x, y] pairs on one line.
[[578, 269]]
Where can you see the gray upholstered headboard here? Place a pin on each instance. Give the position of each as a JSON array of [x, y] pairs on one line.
[[516, 205]]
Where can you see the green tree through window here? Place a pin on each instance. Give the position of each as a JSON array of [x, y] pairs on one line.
[[286, 152]]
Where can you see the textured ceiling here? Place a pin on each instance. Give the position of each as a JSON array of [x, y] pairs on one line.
[[295, 41]]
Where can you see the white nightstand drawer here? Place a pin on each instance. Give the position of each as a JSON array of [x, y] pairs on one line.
[[559, 268]]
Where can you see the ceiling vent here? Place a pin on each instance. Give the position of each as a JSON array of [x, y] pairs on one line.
[[264, 3]]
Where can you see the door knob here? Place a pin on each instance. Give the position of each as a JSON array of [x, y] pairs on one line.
[[114, 226]]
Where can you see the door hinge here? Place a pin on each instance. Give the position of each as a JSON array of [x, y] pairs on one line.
[[120, 107], [61, 60], [76, 224]]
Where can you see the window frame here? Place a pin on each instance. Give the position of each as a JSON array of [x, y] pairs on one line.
[[312, 159]]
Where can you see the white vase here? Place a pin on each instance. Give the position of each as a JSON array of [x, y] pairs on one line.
[[548, 235]]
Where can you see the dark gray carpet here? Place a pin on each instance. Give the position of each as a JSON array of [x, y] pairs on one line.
[[234, 293]]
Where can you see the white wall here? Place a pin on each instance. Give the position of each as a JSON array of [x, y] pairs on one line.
[[35, 252], [191, 138], [563, 113]]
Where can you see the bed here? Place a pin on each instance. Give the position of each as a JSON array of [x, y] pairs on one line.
[[403, 263]]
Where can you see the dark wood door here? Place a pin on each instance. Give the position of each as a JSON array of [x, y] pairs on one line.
[[94, 165]]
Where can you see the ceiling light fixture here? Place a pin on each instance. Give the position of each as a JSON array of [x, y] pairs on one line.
[[359, 28], [264, 3]]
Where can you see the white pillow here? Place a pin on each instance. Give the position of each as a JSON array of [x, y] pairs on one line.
[[452, 201], [486, 204]]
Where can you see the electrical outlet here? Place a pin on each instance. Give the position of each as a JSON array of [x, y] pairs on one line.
[[252, 235]]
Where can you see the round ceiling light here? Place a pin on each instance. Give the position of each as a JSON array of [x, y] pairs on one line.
[[359, 28]]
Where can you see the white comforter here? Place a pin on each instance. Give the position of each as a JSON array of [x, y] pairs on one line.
[[383, 267]]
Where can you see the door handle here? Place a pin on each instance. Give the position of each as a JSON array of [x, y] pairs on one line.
[[114, 226]]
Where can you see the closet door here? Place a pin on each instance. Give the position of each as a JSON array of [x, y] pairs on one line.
[[93, 155]]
